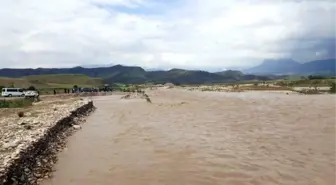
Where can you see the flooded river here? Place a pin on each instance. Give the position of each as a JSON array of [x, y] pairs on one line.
[[203, 138]]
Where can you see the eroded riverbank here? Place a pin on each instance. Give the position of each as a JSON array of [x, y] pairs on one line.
[[28, 144], [203, 138]]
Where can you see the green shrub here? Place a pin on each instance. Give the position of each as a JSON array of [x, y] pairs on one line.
[[15, 103], [31, 88], [332, 88]]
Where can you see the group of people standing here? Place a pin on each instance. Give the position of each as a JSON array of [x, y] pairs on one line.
[[66, 91]]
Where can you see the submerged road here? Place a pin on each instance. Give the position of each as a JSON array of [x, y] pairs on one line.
[[203, 138]]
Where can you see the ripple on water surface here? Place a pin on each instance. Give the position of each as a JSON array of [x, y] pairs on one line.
[[210, 138]]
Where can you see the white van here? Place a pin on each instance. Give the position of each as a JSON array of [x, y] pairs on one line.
[[9, 92], [31, 94]]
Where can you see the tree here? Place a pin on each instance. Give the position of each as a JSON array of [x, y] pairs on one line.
[[316, 77], [31, 88], [333, 88], [75, 86]]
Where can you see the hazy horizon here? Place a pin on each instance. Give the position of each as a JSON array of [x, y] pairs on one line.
[[209, 69], [156, 34], [213, 69]]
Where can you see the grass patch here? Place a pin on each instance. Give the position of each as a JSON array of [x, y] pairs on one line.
[[306, 82], [264, 88], [65, 79], [58, 81], [17, 103]]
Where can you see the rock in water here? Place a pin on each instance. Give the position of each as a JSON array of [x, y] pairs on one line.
[[77, 127]]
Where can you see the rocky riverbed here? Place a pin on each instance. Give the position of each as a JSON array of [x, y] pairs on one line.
[[28, 143]]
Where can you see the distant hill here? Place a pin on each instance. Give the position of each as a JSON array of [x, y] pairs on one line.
[[134, 75], [233, 74], [271, 66], [181, 76], [99, 72], [51, 81], [290, 67], [318, 67]]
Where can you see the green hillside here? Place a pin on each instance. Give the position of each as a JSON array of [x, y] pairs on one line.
[[51, 81], [67, 77]]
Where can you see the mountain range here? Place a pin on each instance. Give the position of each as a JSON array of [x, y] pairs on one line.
[[137, 75], [291, 67], [268, 70]]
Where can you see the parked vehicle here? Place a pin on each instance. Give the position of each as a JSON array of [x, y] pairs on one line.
[[31, 94], [86, 89], [9, 92]]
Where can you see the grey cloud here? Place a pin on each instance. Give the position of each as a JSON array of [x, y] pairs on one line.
[[305, 50], [214, 33]]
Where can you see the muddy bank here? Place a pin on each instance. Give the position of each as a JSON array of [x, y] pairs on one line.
[[28, 145]]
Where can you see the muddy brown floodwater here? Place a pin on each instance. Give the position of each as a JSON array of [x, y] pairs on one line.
[[203, 138]]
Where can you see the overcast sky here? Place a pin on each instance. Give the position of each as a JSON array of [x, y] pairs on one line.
[[164, 33]]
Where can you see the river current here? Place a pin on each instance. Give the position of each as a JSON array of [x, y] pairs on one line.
[[203, 138]]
